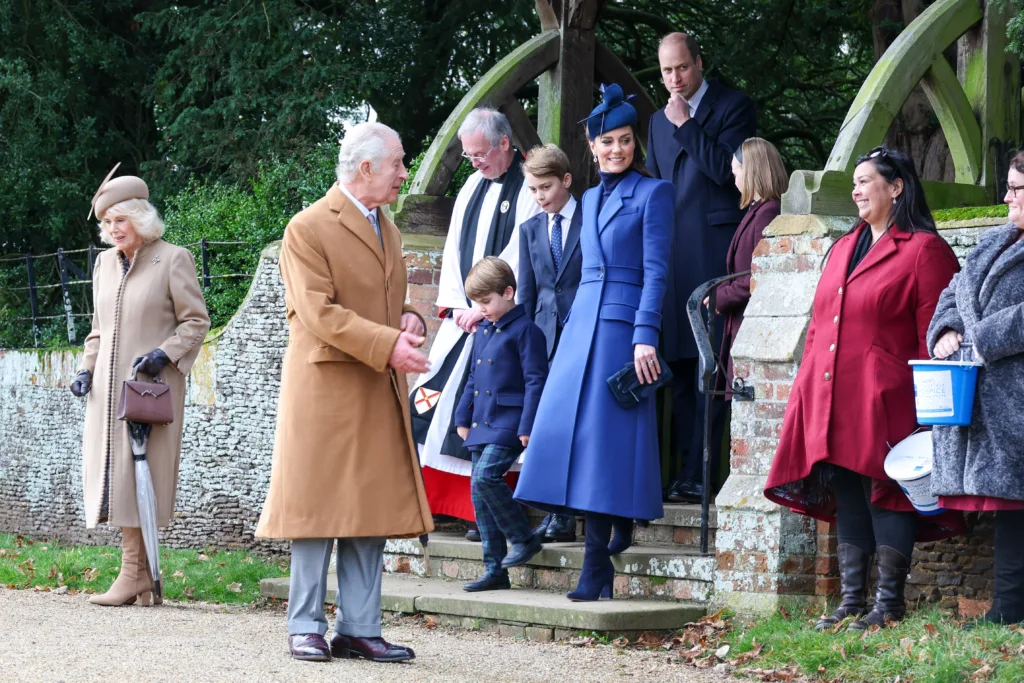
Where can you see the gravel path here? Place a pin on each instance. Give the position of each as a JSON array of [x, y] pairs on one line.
[[46, 637]]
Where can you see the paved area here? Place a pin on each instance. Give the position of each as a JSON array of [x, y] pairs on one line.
[[46, 637]]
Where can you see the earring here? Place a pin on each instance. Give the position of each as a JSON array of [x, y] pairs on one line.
[[595, 158], [893, 200]]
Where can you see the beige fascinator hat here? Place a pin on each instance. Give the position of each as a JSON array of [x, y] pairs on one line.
[[115, 191]]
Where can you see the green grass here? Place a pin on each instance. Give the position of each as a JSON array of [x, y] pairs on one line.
[[964, 213], [927, 646], [221, 577]]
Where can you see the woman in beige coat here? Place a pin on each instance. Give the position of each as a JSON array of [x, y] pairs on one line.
[[149, 313]]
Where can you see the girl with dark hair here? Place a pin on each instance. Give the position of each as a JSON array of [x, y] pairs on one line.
[[980, 468], [853, 397]]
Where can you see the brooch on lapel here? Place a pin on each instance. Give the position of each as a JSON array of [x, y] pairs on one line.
[[504, 206], [156, 259]]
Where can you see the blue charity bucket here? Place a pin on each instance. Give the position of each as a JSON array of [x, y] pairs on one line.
[[909, 464], [944, 390]]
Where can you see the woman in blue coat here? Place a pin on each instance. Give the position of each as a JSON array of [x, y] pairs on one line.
[[587, 453]]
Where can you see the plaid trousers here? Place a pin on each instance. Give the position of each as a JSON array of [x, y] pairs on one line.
[[497, 516]]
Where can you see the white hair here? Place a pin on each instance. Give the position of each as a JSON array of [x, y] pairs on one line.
[[491, 122], [143, 215], [368, 141]]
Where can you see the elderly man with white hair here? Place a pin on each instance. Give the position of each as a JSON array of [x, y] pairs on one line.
[[344, 466], [485, 222]]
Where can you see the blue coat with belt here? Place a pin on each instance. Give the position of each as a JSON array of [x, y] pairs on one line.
[[697, 158], [587, 453], [506, 377], [547, 293]]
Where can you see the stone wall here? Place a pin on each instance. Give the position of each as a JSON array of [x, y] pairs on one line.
[[230, 413], [767, 554]]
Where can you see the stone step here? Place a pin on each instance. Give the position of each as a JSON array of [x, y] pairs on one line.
[[651, 572], [535, 614], [680, 526]]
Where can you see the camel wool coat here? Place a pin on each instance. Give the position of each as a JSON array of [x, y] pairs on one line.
[[157, 304], [344, 463]]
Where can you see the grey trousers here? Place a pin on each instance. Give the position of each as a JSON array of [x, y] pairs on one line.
[[360, 565]]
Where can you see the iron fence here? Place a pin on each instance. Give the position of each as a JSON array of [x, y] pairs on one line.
[[67, 286]]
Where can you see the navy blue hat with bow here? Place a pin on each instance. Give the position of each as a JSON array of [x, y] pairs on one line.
[[615, 111]]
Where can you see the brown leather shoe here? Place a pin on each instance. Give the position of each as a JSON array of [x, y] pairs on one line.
[[374, 649], [309, 647]]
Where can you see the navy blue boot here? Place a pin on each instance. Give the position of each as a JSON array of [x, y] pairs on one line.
[[623, 537], [598, 572]]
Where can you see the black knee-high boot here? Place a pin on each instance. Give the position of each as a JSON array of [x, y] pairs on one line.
[[1008, 597], [890, 603], [598, 573], [854, 566]]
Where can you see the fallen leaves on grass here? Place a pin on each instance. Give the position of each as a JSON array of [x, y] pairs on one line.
[[983, 673], [235, 587], [178, 575]]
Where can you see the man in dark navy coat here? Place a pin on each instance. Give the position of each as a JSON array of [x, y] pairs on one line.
[[691, 143]]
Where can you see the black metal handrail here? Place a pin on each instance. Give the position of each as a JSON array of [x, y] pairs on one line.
[[704, 335]]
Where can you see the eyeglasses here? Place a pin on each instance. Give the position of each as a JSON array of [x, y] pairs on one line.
[[473, 159], [1012, 190]]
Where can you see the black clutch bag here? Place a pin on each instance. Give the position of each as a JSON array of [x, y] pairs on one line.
[[627, 388]]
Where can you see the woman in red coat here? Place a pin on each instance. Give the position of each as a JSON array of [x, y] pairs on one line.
[[853, 397]]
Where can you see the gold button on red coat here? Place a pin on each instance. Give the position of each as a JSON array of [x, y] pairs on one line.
[[827, 376]]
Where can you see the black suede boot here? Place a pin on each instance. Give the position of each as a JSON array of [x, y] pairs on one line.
[[854, 565], [1008, 591], [890, 604]]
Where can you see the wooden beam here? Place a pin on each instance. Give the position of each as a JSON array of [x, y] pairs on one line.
[[991, 81], [518, 68], [567, 91], [895, 75], [524, 135], [952, 108]]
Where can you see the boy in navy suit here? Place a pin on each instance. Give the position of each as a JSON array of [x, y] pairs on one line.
[[495, 415], [550, 262]]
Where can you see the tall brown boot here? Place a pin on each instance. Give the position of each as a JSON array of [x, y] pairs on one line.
[[132, 583]]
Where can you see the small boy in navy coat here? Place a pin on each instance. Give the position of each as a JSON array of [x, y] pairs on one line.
[[495, 415], [550, 264]]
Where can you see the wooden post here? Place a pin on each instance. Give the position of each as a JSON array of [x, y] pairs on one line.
[[62, 268], [33, 304], [991, 80], [567, 91], [205, 259]]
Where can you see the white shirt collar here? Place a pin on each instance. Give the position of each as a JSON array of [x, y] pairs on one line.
[[359, 205], [566, 213], [697, 97]]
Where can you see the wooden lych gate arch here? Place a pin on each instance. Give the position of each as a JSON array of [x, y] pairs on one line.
[[978, 107], [569, 60]]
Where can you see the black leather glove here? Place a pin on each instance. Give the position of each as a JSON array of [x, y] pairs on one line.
[[82, 383], [152, 363]]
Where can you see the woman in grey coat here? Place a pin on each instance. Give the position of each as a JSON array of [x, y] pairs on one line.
[[980, 468]]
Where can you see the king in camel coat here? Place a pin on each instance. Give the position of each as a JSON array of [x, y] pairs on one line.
[[344, 464]]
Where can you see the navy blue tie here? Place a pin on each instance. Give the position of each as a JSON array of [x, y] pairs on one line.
[[556, 241]]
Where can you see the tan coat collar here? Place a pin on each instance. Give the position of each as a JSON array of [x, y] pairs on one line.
[[351, 218]]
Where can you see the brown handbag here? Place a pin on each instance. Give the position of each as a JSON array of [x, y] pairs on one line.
[[145, 402]]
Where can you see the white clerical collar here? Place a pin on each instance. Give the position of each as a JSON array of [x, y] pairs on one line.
[[359, 205], [697, 97]]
